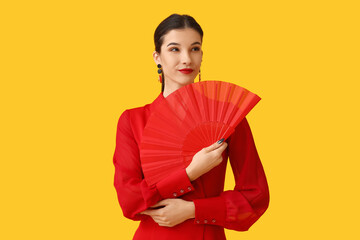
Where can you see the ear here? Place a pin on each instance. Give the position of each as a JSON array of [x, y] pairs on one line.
[[157, 57]]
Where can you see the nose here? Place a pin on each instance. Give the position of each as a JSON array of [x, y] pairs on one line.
[[185, 58]]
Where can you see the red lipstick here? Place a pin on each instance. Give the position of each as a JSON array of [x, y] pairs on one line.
[[186, 70]]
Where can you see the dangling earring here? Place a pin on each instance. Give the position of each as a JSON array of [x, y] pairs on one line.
[[159, 72], [199, 75]]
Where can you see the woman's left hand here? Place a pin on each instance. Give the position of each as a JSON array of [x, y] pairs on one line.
[[173, 212]]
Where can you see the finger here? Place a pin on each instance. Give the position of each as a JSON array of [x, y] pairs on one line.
[[151, 212], [214, 146], [162, 223], [146, 212], [220, 149], [220, 159], [161, 203], [164, 203], [159, 221]]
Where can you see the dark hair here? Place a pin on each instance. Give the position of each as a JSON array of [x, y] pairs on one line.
[[174, 21]]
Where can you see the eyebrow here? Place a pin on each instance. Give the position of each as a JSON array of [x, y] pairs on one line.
[[174, 43]]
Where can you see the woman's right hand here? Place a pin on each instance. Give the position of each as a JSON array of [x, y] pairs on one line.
[[205, 160]]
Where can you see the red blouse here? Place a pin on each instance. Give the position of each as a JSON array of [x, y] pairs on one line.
[[215, 209]]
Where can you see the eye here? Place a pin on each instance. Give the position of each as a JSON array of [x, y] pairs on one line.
[[174, 49], [196, 49]]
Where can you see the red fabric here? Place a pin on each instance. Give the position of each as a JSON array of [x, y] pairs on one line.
[[215, 209]]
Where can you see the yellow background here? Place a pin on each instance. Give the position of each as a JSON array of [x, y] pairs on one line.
[[70, 68]]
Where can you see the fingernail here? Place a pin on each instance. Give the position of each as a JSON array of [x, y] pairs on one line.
[[220, 141]]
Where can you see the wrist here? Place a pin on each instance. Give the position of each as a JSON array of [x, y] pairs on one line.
[[191, 209], [190, 173]]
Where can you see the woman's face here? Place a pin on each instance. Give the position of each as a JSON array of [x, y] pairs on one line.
[[180, 57]]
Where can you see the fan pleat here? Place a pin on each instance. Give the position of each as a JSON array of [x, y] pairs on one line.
[[196, 113], [189, 119], [193, 117], [160, 136], [166, 160], [224, 94], [207, 111], [173, 114], [168, 148], [194, 104], [216, 110]]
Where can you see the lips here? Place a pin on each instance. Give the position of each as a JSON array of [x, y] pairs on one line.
[[186, 70]]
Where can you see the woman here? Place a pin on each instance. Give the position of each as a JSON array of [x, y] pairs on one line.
[[189, 203]]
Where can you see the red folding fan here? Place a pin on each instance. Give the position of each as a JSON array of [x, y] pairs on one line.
[[189, 119]]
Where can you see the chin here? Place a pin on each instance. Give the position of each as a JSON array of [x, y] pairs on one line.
[[186, 81], [183, 80]]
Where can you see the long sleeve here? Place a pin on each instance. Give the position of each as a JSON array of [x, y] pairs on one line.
[[240, 208], [133, 192]]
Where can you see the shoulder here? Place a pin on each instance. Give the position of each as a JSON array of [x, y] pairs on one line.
[[132, 122], [132, 115], [135, 118], [137, 110]]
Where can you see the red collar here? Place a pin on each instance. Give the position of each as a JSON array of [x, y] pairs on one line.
[[157, 101]]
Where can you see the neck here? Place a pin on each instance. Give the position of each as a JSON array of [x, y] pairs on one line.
[[170, 88]]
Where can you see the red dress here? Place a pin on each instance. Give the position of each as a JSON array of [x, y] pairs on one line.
[[215, 209]]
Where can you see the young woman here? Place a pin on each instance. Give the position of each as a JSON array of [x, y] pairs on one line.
[[189, 203]]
